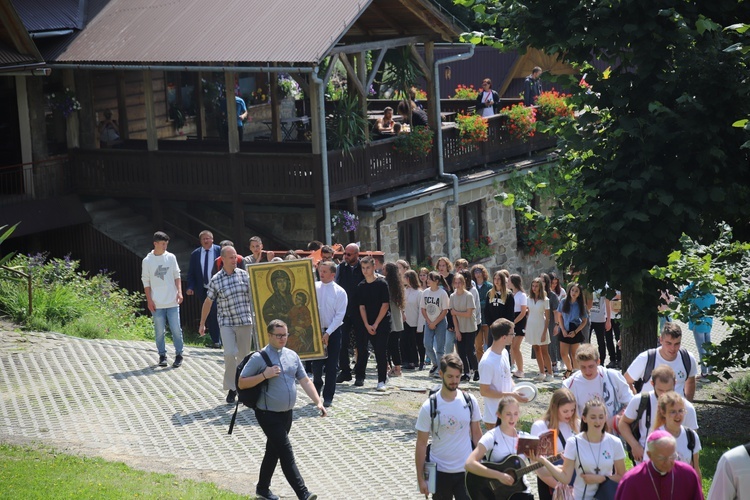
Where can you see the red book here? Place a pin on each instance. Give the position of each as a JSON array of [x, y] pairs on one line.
[[545, 444]]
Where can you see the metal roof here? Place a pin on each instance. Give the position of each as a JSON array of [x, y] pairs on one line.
[[11, 57], [247, 31], [48, 15]]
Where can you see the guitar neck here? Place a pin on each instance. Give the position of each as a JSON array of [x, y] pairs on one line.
[[531, 468]]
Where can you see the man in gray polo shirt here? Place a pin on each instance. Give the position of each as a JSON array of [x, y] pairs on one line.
[[274, 408]]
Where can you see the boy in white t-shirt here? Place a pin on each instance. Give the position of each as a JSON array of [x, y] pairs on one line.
[[668, 354], [495, 380], [454, 430]]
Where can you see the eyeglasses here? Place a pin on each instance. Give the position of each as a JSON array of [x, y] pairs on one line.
[[672, 457], [280, 335], [673, 413]]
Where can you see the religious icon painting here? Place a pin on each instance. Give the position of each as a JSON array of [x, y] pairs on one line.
[[286, 291]]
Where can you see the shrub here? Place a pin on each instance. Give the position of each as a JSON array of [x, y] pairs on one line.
[[739, 388], [473, 250], [70, 301], [521, 120], [464, 92], [472, 129], [552, 104]]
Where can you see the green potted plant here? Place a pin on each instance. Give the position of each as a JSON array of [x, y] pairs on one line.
[[474, 250], [418, 142], [472, 129], [520, 122]]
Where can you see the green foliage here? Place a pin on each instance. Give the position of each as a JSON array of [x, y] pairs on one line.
[[740, 388], [418, 142], [464, 92], [473, 250], [521, 123], [472, 129], [67, 300], [401, 72], [652, 153], [45, 473], [4, 235], [722, 268], [345, 128]]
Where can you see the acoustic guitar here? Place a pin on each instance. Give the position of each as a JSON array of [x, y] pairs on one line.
[[484, 488]]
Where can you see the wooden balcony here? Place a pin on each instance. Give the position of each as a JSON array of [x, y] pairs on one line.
[[284, 173]]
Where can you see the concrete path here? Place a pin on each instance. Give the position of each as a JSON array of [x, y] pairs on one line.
[[107, 398]]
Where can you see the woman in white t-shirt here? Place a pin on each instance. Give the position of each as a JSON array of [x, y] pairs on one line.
[[520, 309], [434, 308], [561, 415], [670, 414], [413, 357], [537, 328], [595, 455], [496, 445]]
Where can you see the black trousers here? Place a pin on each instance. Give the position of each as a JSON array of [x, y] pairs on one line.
[[345, 366], [380, 346], [599, 331], [409, 345], [394, 348], [276, 426], [466, 351], [328, 366], [450, 485]]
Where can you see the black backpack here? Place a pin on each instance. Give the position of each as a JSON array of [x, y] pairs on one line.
[[643, 406], [248, 397], [433, 414], [651, 361]]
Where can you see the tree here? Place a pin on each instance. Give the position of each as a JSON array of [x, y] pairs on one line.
[[652, 154]]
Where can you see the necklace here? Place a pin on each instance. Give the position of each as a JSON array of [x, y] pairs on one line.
[[598, 455], [653, 483], [511, 448]]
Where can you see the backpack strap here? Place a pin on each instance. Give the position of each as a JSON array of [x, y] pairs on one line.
[[237, 404], [686, 361], [690, 441], [644, 406], [650, 362], [467, 398], [433, 411]]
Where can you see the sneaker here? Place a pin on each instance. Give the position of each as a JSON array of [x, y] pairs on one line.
[[327, 403], [231, 396], [517, 374], [549, 378], [436, 375], [359, 382], [267, 495], [476, 376], [380, 387], [163, 360], [539, 378], [217, 345], [433, 370], [177, 361], [465, 377], [343, 377], [311, 496]]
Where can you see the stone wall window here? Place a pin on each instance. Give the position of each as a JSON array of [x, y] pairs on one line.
[[411, 240], [470, 218]]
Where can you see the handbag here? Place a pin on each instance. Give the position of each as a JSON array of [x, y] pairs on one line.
[[606, 490]]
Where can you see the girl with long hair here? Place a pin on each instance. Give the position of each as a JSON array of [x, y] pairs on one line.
[[500, 442], [573, 318], [499, 303], [561, 415], [556, 285], [445, 268], [396, 291], [537, 328], [434, 307], [520, 311], [411, 340], [670, 415], [553, 329], [481, 278], [595, 455], [462, 309]]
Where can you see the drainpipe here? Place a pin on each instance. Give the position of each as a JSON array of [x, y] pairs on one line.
[[439, 138], [323, 147], [377, 227], [207, 69]]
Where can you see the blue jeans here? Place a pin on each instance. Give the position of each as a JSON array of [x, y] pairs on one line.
[[434, 341], [161, 316], [450, 342], [700, 339]]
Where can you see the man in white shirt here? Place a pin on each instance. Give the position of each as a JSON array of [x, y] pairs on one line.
[[663, 380], [670, 354], [593, 381], [732, 478], [160, 275], [453, 424], [332, 303], [495, 381]]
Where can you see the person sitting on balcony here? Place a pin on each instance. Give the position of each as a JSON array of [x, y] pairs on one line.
[[487, 100], [109, 131], [385, 124], [418, 116]]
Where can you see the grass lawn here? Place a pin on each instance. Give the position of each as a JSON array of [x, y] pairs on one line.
[[31, 473]]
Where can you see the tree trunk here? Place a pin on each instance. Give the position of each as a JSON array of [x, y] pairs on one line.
[[638, 326]]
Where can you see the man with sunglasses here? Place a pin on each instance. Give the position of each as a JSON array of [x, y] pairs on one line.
[[348, 276], [273, 410]]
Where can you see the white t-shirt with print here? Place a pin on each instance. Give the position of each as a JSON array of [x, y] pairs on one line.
[[451, 437], [585, 390], [519, 299], [592, 455], [494, 370], [434, 302], [690, 421], [683, 452], [638, 367], [499, 446], [598, 311]]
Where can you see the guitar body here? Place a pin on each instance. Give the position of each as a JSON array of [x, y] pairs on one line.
[[483, 488]]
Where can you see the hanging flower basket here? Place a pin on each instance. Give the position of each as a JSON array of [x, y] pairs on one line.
[[63, 102]]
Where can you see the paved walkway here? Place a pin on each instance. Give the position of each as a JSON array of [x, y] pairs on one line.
[[107, 398]]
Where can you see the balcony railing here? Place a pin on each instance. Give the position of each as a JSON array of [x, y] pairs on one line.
[[35, 181]]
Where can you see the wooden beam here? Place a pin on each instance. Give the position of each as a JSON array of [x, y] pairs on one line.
[[420, 62], [331, 66], [375, 67], [353, 74], [386, 18], [72, 130], [233, 134], [362, 76], [512, 71], [382, 44], [429, 17], [432, 87], [152, 139]]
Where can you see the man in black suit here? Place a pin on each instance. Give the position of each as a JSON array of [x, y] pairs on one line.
[[199, 274], [348, 276]]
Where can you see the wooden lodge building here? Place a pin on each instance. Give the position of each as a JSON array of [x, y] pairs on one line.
[[161, 69]]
